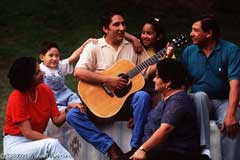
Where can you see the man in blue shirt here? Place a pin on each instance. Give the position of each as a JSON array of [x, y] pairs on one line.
[[213, 67]]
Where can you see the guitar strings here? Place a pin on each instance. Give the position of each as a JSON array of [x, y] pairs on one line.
[[146, 63]]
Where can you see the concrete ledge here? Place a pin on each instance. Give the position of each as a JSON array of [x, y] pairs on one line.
[[215, 145], [118, 130], [80, 149]]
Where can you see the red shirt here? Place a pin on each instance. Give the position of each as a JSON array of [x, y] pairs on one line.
[[21, 108]]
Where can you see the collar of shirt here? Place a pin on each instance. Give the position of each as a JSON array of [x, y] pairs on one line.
[[102, 42], [215, 50]]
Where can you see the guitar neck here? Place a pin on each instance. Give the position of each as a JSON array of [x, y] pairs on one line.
[[152, 60], [176, 42]]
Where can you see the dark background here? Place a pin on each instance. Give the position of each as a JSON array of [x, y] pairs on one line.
[[24, 24]]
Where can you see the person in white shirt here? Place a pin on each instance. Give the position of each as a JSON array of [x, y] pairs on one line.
[[96, 57]]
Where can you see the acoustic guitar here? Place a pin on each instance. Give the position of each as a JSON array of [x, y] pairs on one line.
[[102, 100]]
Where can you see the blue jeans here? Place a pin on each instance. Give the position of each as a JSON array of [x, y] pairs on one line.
[[140, 104], [230, 149]]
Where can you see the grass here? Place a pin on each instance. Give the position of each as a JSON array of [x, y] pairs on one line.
[[69, 23], [4, 91], [23, 26]]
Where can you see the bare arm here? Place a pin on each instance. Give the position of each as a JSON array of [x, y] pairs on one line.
[[27, 131], [98, 78], [59, 120], [230, 121], [75, 55], [157, 138], [138, 47], [89, 76]]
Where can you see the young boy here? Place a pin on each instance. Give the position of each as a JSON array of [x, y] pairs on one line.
[[55, 70]]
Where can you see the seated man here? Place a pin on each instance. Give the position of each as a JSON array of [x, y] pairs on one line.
[[96, 57], [214, 73]]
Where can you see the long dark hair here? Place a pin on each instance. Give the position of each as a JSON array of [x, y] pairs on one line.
[[159, 29]]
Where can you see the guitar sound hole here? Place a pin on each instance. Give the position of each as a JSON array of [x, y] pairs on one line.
[[122, 92]]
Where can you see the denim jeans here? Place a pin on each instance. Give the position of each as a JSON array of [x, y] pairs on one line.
[[230, 149], [140, 105], [20, 148]]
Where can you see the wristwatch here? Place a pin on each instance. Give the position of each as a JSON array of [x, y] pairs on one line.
[[143, 149]]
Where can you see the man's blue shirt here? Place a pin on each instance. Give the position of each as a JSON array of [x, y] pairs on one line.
[[212, 74]]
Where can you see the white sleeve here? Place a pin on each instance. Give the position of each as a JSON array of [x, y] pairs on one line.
[[88, 57], [65, 67]]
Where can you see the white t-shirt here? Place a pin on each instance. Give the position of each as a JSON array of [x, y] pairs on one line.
[[64, 68]]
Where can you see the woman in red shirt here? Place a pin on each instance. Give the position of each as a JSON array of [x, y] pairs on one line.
[[29, 108]]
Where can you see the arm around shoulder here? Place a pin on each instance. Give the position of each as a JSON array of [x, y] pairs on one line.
[[138, 47], [76, 54]]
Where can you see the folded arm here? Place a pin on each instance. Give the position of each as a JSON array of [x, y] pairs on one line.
[[28, 133]]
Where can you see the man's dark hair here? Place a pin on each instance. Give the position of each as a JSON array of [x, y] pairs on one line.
[[170, 69], [21, 73], [209, 22], [106, 18], [46, 45]]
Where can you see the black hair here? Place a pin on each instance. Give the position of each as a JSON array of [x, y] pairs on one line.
[[21, 73], [170, 69], [159, 29], [106, 18], [46, 45], [209, 22]]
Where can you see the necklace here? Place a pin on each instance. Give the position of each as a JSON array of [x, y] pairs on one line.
[[36, 97]]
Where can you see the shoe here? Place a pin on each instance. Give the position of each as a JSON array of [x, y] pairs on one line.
[[128, 154], [115, 153], [204, 157]]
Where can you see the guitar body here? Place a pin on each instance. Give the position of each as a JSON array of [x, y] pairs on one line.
[[103, 101], [99, 102]]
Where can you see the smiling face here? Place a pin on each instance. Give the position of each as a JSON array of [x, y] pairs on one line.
[[115, 32], [148, 35], [199, 37], [51, 58]]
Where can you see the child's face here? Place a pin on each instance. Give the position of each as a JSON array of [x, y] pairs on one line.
[[148, 35], [51, 58]]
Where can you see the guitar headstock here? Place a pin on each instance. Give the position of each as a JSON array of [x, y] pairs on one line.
[[179, 41]]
